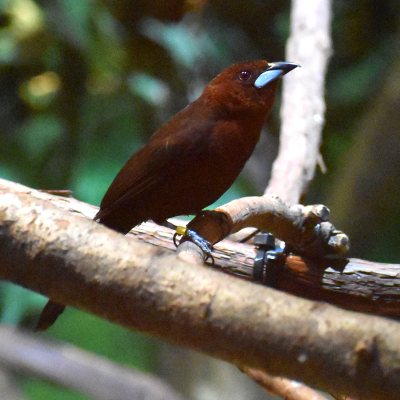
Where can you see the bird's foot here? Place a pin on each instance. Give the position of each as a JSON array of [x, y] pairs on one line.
[[204, 244], [188, 234]]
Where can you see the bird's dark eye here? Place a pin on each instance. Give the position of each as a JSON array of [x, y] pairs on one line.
[[244, 75]]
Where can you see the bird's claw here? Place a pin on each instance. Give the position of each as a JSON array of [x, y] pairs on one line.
[[194, 237], [204, 244]]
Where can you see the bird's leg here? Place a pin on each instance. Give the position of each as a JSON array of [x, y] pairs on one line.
[[189, 234], [204, 244]]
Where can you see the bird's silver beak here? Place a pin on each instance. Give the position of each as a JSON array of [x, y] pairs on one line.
[[275, 70]]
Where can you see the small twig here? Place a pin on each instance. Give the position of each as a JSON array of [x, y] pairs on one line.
[[282, 387], [62, 193]]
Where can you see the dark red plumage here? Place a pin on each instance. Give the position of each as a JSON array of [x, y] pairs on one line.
[[194, 158]]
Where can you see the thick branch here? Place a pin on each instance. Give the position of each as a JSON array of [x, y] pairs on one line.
[[362, 286], [296, 225], [78, 262]]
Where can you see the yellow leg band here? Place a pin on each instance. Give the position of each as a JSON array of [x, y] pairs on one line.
[[181, 230]]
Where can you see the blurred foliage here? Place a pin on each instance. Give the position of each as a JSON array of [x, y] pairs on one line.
[[83, 84]]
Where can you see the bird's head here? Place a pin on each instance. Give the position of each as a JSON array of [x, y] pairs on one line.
[[248, 86]]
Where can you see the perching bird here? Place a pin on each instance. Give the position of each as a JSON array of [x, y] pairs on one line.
[[195, 157]]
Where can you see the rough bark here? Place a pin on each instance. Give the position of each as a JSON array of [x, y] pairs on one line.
[[361, 286], [80, 263], [304, 229]]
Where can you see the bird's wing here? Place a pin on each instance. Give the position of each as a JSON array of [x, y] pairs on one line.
[[143, 172], [155, 167]]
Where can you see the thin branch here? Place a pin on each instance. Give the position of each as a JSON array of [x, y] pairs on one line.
[[77, 370], [305, 229], [287, 389], [80, 263], [303, 104]]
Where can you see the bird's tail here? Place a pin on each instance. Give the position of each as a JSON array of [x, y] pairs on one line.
[[52, 309], [50, 313]]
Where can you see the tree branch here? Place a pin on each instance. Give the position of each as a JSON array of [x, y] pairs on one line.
[[81, 263], [361, 286], [287, 389], [304, 229], [303, 105], [77, 370]]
